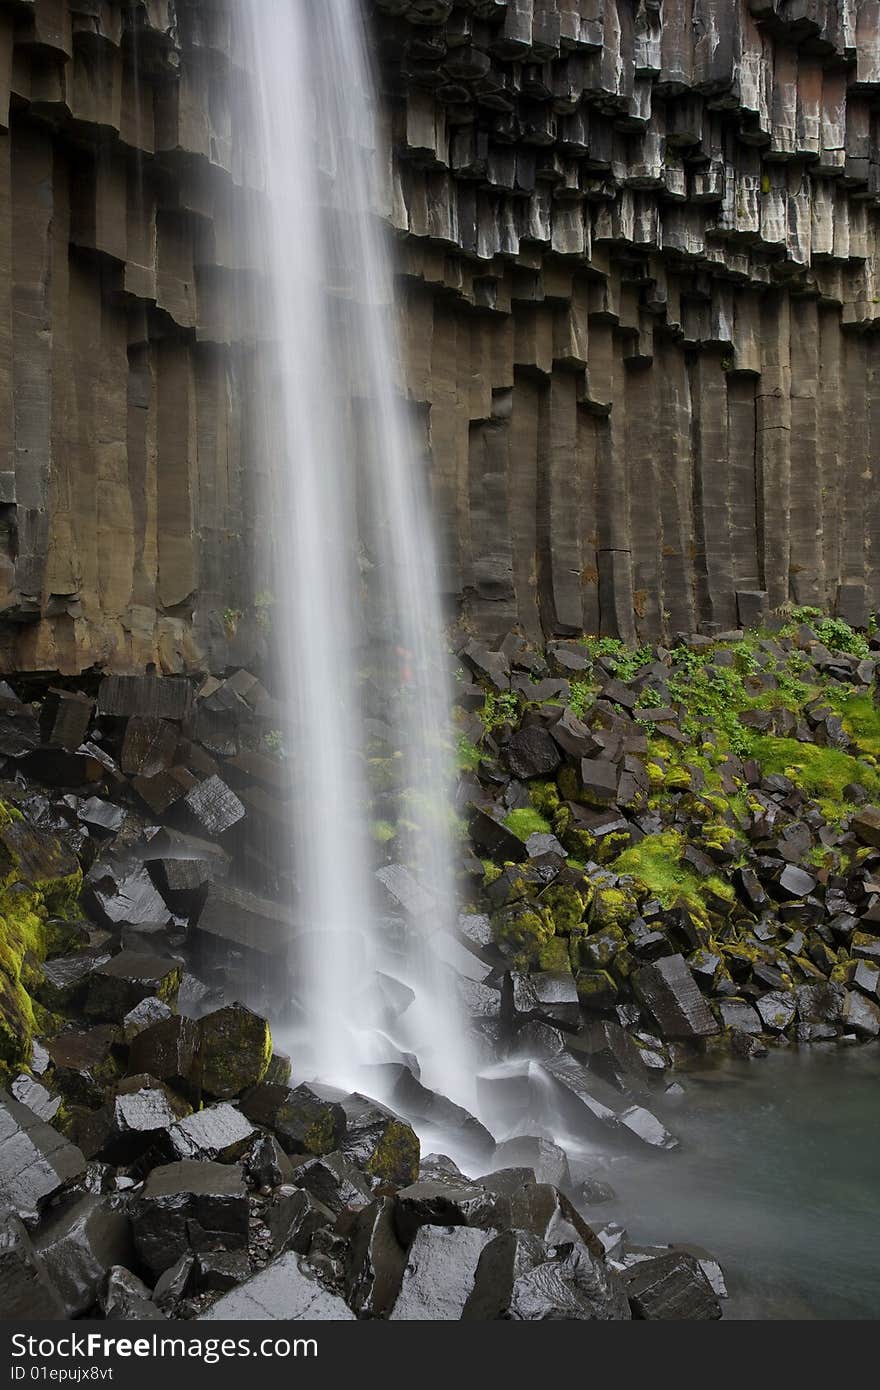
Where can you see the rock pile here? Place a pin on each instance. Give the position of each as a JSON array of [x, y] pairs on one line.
[[681, 840]]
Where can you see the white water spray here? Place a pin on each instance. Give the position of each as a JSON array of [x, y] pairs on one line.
[[358, 600]]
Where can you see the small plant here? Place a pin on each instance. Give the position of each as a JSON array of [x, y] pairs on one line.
[[580, 697], [231, 619], [468, 755], [499, 708]]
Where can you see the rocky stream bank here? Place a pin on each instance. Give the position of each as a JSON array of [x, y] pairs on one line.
[[665, 853]]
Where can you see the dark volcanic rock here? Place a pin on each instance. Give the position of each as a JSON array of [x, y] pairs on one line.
[[376, 1261], [29, 1092], [572, 1285], [26, 1292], [236, 1048], [266, 1163], [672, 1286], [335, 1181], [295, 1217], [85, 1063], [78, 1243], [381, 1143], [287, 1291], [125, 1298], [532, 753], [119, 985], [440, 1273], [171, 1051], [36, 1162], [213, 807], [668, 989], [65, 978], [218, 1132], [139, 1117], [190, 1206], [124, 896], [866, 824], [302, 1121]]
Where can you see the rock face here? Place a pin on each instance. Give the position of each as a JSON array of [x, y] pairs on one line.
[[637, 256]]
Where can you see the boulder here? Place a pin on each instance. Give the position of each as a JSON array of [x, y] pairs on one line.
[[212, 807], [669, 991], [149, 1011], [139, 1118], [671, 1287], [866, 825], [76, 1246], [301, 1120], [266, 1164], [502, 1262], [777, 1009], [170, 1050], [531, 752], [26, 1291], [236, 1050], [440, 1274], [379, 1142], [36, 1162], [860, 1014], [573, 1284], [125, 1298], [445, 1202], [124, 896], [245, 919], [217, 1271], [29, 1092], [120, 984], [286, 1291], [295, 1217], [86, 1063], [65, 979], [739, 1014], [219, 1132], [335, 1181], [190, 1205], [376, 1261]]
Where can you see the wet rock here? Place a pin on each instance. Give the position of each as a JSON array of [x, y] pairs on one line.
[[503, 1261], [404, 891], [382, 1144], [78, 1243], [149, 1011], [26, 1291], [236, 1048], [19, 728], [140, 1117], [645, 1126], [376, 1261], [36, 1162], [65, 979], [295, 1217], [531, 752], [218, 1132], [286, 1291], [547, 1160], [86, 1063], [820, 1003], [866, 824], [547, 1213], [572, 1285], [611, 1053], [301, 1120], [217, 1272], [738, 1014], [245, 919], [124, 897], [120, 984], [860, 1014], [213, 808], [189, 1206], [149, 746], [102, 818], [266, 1164], [440, 1273], [30, 1093], [445, 1201], [669, 991], [174, 1284], [671, 1287], [777, 1010], [335, 1181], [159, 697], [125, 1298], [795, 883], [556, 997], [492, 836], [65, 718], [171, 1051]]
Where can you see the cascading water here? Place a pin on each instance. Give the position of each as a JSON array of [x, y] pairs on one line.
[[357, 583]]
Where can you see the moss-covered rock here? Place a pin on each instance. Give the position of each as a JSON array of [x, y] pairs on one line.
[[522, 932], [566, 905], [236, 1049]]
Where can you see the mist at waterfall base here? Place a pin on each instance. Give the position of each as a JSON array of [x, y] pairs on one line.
[[357, 615]]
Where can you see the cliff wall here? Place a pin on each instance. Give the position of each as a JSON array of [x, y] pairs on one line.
[[639, 287]]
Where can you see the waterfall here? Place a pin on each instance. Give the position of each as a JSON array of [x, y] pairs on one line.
[[358, 614]]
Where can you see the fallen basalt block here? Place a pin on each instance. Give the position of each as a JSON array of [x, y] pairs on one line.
[[36, 1162], [78, 1243], [189, 1205], [286, 1291], [236, 1050]]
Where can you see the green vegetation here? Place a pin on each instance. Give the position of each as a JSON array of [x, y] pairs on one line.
[[656, 863], [499, 707], [625, 662], [467, 754], [822, 773], [526, 822]]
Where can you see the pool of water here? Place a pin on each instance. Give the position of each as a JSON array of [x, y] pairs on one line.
[[778, 1175]]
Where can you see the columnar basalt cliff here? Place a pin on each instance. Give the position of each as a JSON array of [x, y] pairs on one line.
[[638, 293]]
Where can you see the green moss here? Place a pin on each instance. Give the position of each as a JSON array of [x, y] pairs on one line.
[[613, 907], [554, 955], [861, 719], [396, 1157], [382, 831], [820, 772], [522, 933], [527, 821], [468, 755], [566, 906], [656, 863], [544, 796], [491, 872]]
